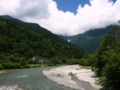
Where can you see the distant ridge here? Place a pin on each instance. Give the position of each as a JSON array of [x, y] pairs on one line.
[[90, 40]]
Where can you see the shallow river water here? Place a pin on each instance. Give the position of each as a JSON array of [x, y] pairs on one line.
[[28, 79]]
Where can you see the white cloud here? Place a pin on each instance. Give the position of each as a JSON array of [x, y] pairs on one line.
[[8, 6], [99, 14]]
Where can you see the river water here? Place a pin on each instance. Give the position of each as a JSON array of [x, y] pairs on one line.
[[28, 79]]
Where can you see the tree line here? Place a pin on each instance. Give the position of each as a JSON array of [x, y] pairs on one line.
[[105, 61]]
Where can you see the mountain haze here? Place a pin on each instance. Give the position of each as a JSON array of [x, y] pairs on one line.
[[90, 40]]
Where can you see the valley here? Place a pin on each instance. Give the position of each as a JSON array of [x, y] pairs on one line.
[[20, 42]]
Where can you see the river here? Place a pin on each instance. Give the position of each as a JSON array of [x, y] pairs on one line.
[[28, 79]]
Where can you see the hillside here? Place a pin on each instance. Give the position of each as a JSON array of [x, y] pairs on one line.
[[17, 39], [40, 29], [90, 40]]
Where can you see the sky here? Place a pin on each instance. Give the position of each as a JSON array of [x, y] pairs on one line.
[[64, 17], [70, 5]]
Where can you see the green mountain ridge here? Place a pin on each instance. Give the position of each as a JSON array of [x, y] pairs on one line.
[[38, 28], [90, 40], [26, 42]]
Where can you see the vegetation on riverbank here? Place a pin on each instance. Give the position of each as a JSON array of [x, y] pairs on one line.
[[106, 61]]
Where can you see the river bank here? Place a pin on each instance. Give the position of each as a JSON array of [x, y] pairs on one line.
[[2, 71], [73, 76]]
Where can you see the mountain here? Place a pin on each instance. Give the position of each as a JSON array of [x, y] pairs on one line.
[[25, 42], [90, 40], [26, 24], [38, 28]]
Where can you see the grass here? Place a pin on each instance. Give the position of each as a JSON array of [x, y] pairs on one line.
[[70, 74], [57, 75], [37, 65], [83, 67], [78, 68], [50, 68], [53, 74]]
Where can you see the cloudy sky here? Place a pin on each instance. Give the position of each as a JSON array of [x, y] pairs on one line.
[[64, 17]]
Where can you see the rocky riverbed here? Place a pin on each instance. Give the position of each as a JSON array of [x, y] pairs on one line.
[[73, 76]]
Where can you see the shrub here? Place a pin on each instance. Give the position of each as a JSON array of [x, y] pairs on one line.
[[1, 67]]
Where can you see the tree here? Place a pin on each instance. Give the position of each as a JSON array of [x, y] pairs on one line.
[[107, 43], [107, 63], [1, 67], [110, 73]]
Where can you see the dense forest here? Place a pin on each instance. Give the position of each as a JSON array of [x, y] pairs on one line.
[[38, 28], [18, 44], [106, 61]]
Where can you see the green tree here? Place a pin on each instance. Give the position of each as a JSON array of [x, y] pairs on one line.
[[1, 67], [107, 43], [111, 70], [107, 63]]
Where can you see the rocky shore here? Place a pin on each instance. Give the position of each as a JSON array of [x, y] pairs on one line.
[[73, 76], [2, 71]]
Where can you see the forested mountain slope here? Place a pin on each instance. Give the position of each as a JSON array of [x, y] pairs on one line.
[[25, 42], [90, 40], [40, 29]]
